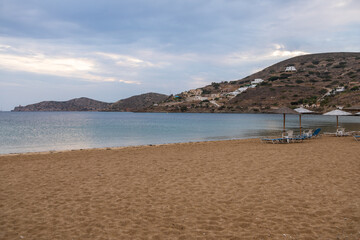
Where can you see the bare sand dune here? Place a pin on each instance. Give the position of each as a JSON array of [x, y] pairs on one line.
[[209, 190]]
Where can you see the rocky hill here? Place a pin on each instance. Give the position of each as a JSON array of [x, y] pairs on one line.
[[317, 81], [137, 103], [77, 104]]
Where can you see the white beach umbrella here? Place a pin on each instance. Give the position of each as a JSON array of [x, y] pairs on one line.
[[337, 113], [302, 110]]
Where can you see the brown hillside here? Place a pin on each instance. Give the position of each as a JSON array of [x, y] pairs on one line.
[[312, 85], [138, 102]]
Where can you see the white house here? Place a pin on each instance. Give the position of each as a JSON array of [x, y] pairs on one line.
[[238, 91], [257, 81], [290, 69], [340, 89]]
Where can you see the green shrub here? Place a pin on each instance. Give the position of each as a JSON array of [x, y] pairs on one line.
[[183, 108], [265, 84], [316, 62], [354, 88], [284, 76], [299, 81], [323, 91], [215, 85], [273, 78], [340, 65]]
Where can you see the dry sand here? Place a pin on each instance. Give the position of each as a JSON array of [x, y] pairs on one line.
[[210, 190]]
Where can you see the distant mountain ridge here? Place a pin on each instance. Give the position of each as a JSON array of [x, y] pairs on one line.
[[77, 104], [134, 103]]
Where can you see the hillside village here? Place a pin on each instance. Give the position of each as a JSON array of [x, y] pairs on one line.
[[316, 81]]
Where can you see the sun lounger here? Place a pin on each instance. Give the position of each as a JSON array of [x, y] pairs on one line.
[[357, 137], [310, 134], [282, 140], [340, 132], [288, 134], [273, 140], [316, 133]]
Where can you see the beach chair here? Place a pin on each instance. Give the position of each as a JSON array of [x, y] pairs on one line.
[[340, 132], [357, 137], [308, 133], [288, 134], [316, 133]]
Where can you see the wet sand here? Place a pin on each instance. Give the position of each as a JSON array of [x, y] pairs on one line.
[[241, 189]]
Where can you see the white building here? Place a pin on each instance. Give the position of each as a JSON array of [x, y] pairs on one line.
[[290, 69], [340, 89], [238, 91], [257, 81]]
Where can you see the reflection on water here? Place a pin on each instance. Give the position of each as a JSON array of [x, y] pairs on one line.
[[44, 131]]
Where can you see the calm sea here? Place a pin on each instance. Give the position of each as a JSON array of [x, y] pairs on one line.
[[45, 131]]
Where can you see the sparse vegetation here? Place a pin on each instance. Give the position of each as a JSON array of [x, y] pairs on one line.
[[340, 65], [273, 78], [323, 91], [215, 85], [206, 91], [284, 76]]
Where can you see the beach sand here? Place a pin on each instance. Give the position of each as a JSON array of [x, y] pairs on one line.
[[240, 189]]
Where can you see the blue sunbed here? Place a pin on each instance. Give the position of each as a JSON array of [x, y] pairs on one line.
[[282, 140]]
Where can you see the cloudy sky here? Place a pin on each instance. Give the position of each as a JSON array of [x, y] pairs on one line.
[[113, 49]]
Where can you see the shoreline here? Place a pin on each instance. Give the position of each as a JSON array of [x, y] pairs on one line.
[[118, 148]]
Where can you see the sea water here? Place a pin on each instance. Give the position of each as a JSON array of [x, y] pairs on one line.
[[47, 131]]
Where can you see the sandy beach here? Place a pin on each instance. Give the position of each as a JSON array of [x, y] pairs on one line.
[[240, 189]]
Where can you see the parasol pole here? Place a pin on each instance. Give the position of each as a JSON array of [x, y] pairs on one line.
[[284, 123], [300, 123], [337, 122]]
